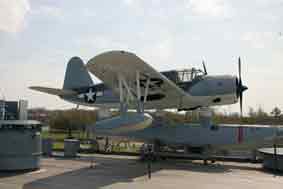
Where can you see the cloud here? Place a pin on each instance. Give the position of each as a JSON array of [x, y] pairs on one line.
[[135, 2], [16, 79], [260, 40], [159, 53], [12, 14], [89, 43], [128, 2], [210, 8], [50, 11]]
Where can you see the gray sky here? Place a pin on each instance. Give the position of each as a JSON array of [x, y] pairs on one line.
[[38, 37]]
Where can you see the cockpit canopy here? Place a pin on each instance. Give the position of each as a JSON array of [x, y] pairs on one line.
[[186, 75]]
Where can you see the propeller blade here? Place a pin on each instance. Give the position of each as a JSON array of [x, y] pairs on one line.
[[240, 87], [240, 69], [204, 67], [241, 104]]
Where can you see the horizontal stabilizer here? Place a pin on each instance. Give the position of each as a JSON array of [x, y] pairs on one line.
[[54, 91]]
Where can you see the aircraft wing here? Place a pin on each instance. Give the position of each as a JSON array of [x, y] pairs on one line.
[[53, 91], [107, 66]]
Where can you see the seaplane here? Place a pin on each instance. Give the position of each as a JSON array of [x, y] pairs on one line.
[[129, 83]]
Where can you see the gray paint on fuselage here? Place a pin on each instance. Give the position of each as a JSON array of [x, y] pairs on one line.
[[213, 86], [202, 86], [104, 95]]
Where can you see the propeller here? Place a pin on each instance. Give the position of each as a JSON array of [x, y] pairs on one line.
[[204, 67], [240, 87]]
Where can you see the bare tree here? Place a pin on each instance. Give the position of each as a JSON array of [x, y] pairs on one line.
[[276, 112]]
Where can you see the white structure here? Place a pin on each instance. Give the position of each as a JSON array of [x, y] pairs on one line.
[[2, 109], [23, 110]]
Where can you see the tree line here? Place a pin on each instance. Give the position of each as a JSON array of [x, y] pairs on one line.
[[254, 116], [78, 119]]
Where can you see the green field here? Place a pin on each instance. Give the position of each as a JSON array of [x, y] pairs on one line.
[[58, 142]]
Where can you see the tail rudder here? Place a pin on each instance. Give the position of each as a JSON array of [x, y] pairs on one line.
[[76, 75]]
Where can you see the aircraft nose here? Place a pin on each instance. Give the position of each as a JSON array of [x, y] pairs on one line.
[[240, 88], [245, 88]]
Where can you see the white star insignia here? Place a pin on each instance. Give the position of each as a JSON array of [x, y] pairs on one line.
[[90, 95]]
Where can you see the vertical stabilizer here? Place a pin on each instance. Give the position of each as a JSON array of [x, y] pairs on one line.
[[76, 75]]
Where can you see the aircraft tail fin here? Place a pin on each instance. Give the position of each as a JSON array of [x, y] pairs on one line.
[[76, 75]]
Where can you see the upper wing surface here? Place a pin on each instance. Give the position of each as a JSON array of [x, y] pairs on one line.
[[107, 66]]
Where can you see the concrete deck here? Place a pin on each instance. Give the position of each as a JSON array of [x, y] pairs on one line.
[[126, 172]]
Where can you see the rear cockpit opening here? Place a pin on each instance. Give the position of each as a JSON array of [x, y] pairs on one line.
[[184, 76]]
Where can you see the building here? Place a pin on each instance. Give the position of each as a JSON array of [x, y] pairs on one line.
[[23, 109], [14, 110], [9, 110], [2, 109]]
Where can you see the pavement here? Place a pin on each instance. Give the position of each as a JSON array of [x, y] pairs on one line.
[[113, 171]]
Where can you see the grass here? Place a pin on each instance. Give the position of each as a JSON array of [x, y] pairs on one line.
[[58, 142], [61, 135], [133, 149], [58, 146]]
